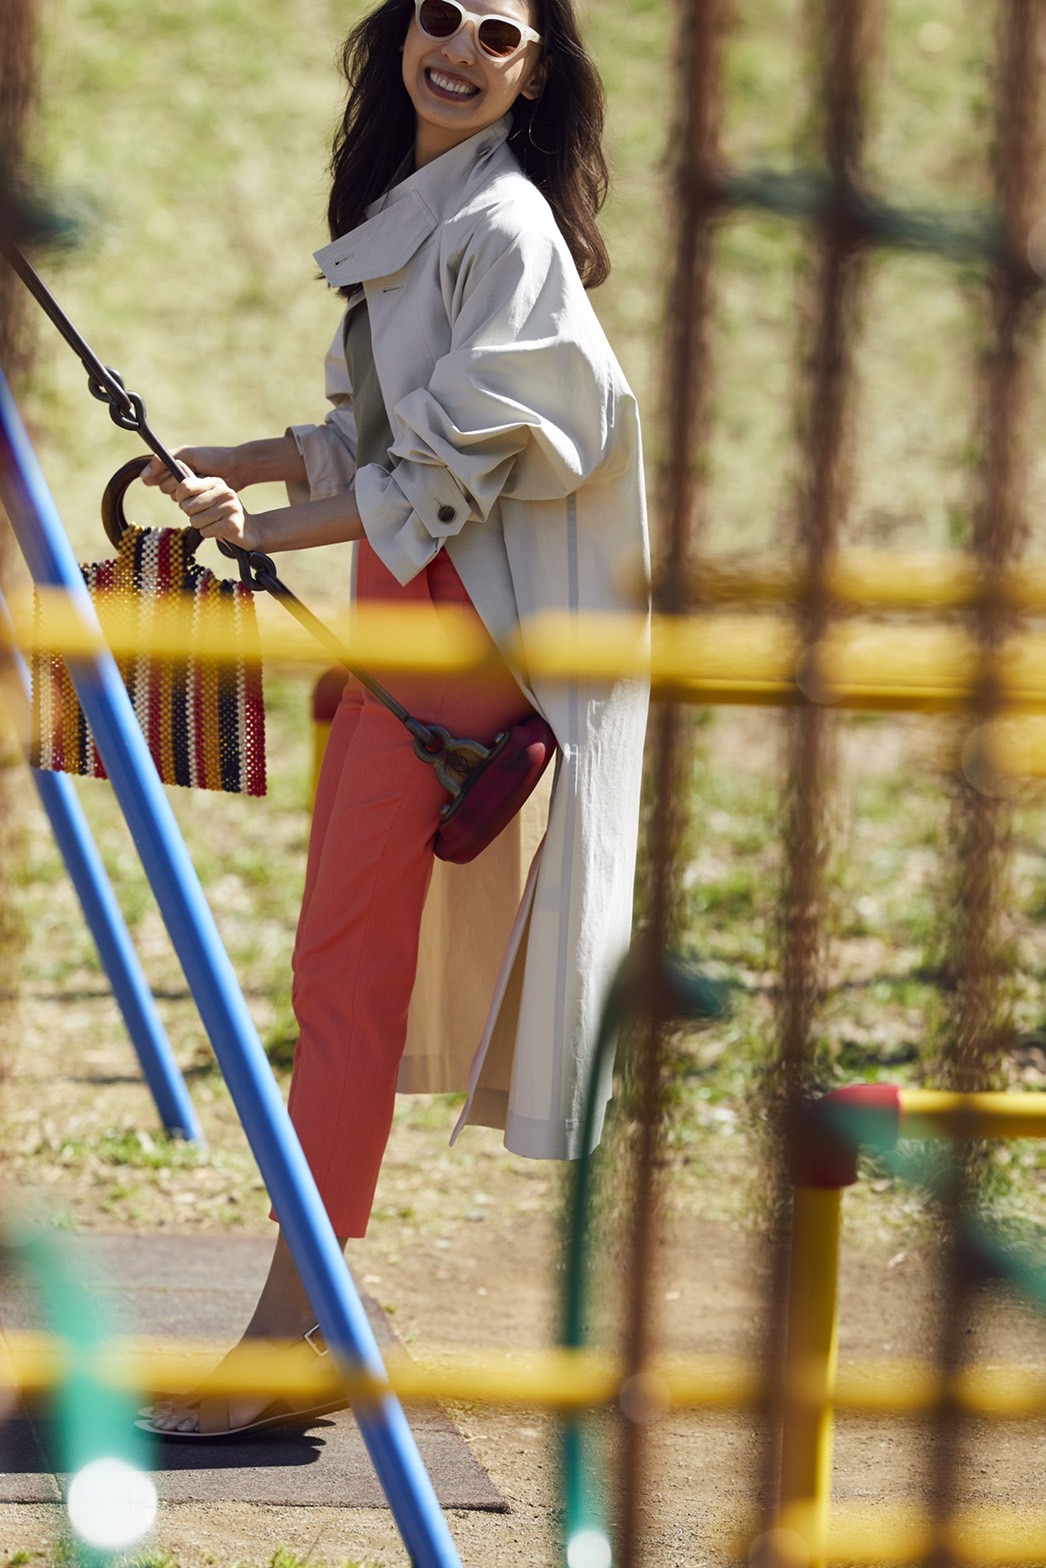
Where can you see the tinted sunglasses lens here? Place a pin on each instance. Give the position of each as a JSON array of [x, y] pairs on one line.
[[499, 38], [438, 19], [442, 20]]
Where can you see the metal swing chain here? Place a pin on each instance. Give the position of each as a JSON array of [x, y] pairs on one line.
[[453, 759], [126, 409]]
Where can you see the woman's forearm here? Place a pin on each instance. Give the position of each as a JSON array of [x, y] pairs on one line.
[[271, 460], [334, 520], [212, 504]]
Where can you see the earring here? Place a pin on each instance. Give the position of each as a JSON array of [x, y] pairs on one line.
[[547, 151]]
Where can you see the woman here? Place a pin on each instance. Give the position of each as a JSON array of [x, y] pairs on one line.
[[483, 449]]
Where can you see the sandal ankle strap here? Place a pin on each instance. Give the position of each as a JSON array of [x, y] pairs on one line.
[[313, 1337]]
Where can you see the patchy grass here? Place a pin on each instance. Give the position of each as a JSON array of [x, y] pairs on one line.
[[64, 1555]]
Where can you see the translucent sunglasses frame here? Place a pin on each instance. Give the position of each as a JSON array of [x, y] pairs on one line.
[[500, 37]]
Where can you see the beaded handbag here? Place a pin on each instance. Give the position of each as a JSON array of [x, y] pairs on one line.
[[203, 718]]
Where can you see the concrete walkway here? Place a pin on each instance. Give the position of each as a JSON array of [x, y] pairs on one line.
[[202, 1287]]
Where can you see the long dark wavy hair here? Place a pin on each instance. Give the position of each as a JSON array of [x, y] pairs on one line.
[[557, 137]]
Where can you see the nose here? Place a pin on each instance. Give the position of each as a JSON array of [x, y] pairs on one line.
[[464, 45]]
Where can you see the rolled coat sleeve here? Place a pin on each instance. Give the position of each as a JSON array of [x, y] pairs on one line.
[[522, 405], [329, 449]]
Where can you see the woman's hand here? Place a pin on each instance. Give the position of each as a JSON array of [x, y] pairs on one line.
[[215, 509], [271, 460], [211, 504], [224, 462]]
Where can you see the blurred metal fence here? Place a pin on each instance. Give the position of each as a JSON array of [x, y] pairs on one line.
[[846, 223], [813, 661]]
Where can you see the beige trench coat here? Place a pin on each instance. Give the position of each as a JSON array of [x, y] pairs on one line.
[[517, 448]]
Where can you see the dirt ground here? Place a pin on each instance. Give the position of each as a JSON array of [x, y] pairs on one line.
[[463, 1255]]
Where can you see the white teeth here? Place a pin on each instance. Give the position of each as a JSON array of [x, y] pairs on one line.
[[450, 85]]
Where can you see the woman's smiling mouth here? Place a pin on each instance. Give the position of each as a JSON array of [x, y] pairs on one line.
[[450, 86]]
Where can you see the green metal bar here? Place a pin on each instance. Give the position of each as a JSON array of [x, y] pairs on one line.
[[693, 996]]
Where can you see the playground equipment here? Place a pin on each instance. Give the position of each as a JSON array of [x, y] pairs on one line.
[[834, 1131], [847, 222], [102, 912], [831, 1134], [809, 662]]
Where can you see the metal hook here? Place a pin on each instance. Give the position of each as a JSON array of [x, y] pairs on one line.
[[454, 760]]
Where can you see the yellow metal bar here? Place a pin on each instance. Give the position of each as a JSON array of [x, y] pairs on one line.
[[385, 637], [908, 1387], [868, 579], [810, 1364], [900, 1533], [706, 658], [938, 1113], [556, 1379], [34, 1363]]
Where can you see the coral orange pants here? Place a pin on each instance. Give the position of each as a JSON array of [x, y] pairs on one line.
[[369, 865]]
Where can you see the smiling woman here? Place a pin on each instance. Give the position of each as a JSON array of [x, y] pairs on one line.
[[464, 69], [482, 451], [555, 134]]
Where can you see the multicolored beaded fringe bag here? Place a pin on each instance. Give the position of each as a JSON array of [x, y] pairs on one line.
[[203, 718]]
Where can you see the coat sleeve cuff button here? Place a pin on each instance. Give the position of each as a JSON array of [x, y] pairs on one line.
[[446, 514]]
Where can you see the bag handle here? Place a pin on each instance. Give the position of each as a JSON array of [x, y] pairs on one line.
[[114, 518]]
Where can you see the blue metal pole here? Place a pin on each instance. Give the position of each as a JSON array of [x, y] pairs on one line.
[[223, 1011], [112, 938]]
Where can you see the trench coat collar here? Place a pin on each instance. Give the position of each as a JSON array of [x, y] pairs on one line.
[[399, 222]]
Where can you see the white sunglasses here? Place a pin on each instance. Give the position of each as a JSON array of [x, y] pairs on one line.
[[498, 36]]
